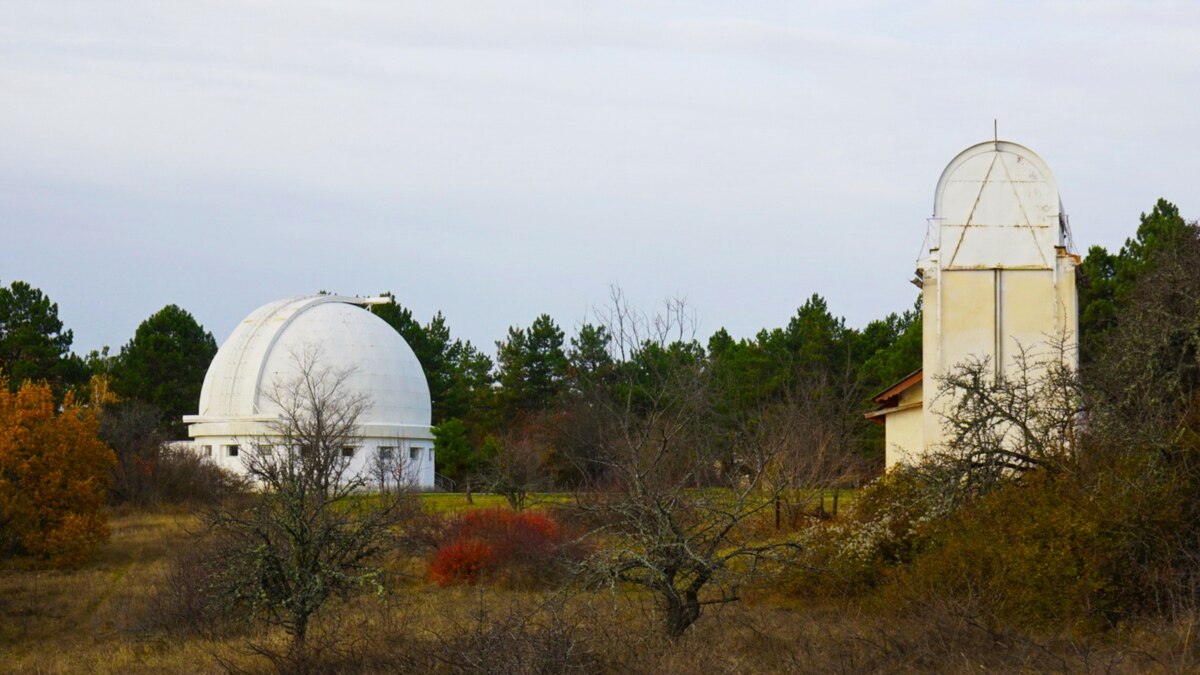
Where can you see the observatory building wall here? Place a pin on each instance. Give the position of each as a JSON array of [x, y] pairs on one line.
[[998, 278]]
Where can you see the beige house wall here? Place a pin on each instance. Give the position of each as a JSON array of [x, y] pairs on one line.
[[904, 429]]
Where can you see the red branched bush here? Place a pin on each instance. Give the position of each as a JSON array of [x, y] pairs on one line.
[[461, 562], [498, 543]]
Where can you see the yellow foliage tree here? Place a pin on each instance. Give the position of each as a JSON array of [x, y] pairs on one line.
[[54, 474]]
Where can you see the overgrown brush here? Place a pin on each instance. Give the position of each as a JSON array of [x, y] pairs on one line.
[[892, 521], [186, 603]]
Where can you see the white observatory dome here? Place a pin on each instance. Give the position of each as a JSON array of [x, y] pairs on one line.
[[264, 348], [235, 401]]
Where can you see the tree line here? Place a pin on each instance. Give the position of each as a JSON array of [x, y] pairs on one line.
[[479, 400], [484, 403], [162, 365], [485, 408]]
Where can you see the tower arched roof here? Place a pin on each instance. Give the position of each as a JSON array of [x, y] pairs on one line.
[[987, 192]]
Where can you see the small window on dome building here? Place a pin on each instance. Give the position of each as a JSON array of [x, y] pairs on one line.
[[232, 450], [348, 451]]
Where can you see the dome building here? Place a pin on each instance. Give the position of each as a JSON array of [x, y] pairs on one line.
[[235, 401]]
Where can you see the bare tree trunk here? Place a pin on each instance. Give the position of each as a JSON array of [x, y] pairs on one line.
[[299, 646], [680, 612]]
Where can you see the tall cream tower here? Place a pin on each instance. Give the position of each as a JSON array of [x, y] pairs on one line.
[[999, 275]]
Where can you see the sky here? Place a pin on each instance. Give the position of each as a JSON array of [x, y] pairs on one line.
[[499, 160]]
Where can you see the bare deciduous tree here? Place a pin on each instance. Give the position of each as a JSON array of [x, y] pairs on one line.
[[816, 448], [308, 535], [517, 470], [1000, 426], [668, 500]]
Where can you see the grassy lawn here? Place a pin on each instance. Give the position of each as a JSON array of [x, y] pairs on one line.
[[456, 502]]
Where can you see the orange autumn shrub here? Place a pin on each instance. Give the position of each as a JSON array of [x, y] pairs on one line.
[[54, 475], [521, 548]]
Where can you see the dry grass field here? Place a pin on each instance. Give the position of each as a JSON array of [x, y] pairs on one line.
[[96, 618], [103, 618]]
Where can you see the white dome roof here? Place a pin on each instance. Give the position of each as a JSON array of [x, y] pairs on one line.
[[262, 351]]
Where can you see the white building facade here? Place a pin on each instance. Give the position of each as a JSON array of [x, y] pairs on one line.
[[236, 408]]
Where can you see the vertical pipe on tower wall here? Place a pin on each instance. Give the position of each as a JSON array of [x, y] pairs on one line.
[[998, 321]]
